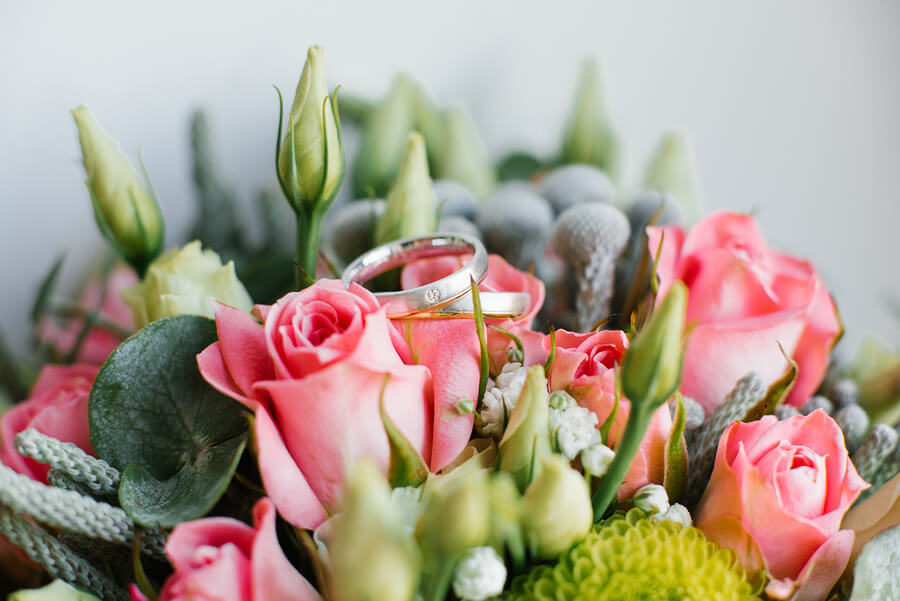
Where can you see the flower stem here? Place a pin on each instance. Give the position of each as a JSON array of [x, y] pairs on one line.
[[309, 226], [626, 449]]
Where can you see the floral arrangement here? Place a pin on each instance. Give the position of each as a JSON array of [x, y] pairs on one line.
[[537, 395]]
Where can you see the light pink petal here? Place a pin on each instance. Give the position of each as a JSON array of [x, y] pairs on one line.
[[823, 328], [503, 277], [220, 573], [722, 497], [824, 568], [242, 343], [672, 237], [499, 344], [136, 594], [184, 540], [728, 533], [53, 376], [215, 372], [424, 271], [14, 421], [273, 576], [723, 229], [282, 479]]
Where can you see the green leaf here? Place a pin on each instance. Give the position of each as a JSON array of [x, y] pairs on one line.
[[676, 468], [176, 439], [42, 300], [407, 468], [485, 367]]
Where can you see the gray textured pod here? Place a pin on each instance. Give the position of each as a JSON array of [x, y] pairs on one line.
[[816, 402], [351, 231], [646, 204], [590, 237], [844, 392], [516, 222], [693, 414], [880, 443], [572, 184], [457, 224], [455, 199], [854, 423], [783, 411]]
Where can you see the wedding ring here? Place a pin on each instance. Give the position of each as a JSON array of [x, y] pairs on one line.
[[494, 305], [431, 296]]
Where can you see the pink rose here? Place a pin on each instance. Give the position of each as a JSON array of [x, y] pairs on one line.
[[99, 343], [312, 373], [57, 407], [584, 367], [745, 298], [777, 494], [450, 349], [222, 559]]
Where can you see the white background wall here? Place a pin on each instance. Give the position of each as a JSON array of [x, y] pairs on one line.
[[792, 107]]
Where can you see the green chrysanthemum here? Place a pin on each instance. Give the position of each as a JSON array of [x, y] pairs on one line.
[[629, 558]]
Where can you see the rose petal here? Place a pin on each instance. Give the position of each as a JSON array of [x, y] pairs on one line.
[[215, 372], [274, 578], [182, 544], [823, 569], [242, 343]]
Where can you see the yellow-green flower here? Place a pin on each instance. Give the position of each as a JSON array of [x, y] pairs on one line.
[[55, 591], [457, 512], [185, 281], [632, 558]]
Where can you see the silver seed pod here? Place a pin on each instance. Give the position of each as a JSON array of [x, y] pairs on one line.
[[457, 224], [645, 206], [693, 413], [816, 402], [880, 443], [590, 237], [455, 199], [572, 184], [515, 223], [783, 411], [844, 392], [351, 231], [854, 423]]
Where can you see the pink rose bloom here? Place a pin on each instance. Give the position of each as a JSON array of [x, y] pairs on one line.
[[777, 494], [313, 373], [57, 407], [99, 342], [222, 559], [745, 298], [450, 349], [583, 367]]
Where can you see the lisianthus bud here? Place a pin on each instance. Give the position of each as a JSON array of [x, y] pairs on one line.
[[652, 499], [557, 509], [651, 369], [311, 157], [456, 517], [124, 207], [671, 171], [464, 159], [526, 441], [410, 209], [55, 591], [589, 138], [185, 281], [372, 555], [479, 575]]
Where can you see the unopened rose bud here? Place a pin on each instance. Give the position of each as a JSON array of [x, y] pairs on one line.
[[464, 158], [589, 138], [651, 369], [372, 555], [456, 517], [410, 209], [526, 441], [651, 499], [671, 171], [311, 157], [55, 591], [185, 281], [124, 207], [557, 509]]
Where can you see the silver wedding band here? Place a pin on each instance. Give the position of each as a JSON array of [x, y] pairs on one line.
[[449, 296]]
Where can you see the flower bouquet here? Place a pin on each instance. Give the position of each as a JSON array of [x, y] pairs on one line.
[[536, 394]]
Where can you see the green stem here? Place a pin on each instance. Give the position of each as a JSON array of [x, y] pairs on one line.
[[439, 580], [626, 449], [309, 226]]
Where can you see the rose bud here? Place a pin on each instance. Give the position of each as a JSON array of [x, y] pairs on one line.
[[651, 369], [526, 441], [311, 157], [557, 509], [464, 158], [671, 171], [372, 555], [185, 281], [457, 515], [124, 207], [410, 209], [589, 138]]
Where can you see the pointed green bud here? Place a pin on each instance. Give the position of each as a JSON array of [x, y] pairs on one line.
[[311, 156], [372, 555], [185, 281], [55, 591], [589, 137], [457, 516], [526, 441], [410, 209], [506, 516], [464, 158], [671, 171], [384, 139], [431, 123], [557, 509], [651, 369], [124, 207]]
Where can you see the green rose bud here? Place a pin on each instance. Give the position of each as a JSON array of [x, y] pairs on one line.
[[410, 209], [651, 369], [526, 441], [372, 555], [311, 156], [464, 158], [671, 171], [55, 591], [589, 138], [557, 509], [124, 207], [457, 515], [185, 281]]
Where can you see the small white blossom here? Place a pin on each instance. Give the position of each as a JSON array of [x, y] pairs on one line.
[[651, 498], [574, 429], [480, 575], [677, 513], [500, 399], [596, 459]]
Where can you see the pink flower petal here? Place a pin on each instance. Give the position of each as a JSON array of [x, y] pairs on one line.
[[273, 576], [215, 372], [242, 344]]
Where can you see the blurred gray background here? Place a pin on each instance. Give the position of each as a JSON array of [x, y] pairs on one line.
[[792, 108]]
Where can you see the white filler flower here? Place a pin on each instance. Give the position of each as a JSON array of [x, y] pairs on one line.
[[652, 498], [574, 429], [500, 399], [480, 575], [596, 459], [677, 513]]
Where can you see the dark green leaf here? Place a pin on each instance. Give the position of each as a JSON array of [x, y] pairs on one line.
[[153, 416], [407, 468], [485, 367], [42, 300]]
